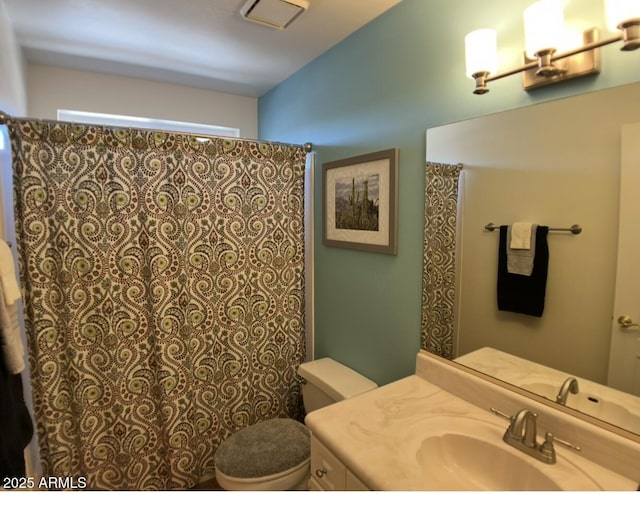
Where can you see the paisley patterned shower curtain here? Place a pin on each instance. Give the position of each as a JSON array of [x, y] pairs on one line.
[[439, 265], [164, 304]]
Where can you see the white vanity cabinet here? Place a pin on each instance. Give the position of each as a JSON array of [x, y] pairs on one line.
[[328, 473]]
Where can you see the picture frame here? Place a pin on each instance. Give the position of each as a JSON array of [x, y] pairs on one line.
[[360, 202]]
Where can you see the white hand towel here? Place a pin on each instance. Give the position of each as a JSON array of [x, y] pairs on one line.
[[8, 275], [520, 261], [520, 235]]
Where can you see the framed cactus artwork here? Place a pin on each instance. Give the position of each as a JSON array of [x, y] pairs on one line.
[[360, 202]]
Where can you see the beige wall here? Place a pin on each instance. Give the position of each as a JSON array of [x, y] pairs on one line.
[[555, 164], [53, 88], [12, 101], [12, 90]]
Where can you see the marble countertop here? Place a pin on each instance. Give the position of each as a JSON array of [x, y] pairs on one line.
[[377, 434]]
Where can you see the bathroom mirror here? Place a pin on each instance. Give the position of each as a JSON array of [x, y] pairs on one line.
[[557, 164]]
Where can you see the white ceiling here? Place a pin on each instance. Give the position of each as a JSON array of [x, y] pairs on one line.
[[201, 43]]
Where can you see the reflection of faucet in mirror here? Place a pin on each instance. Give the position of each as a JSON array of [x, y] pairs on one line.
[[607, 404], [570, 385]]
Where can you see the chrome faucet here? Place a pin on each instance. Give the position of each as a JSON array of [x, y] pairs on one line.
[[523, 428], [570, 385], [522, 434]]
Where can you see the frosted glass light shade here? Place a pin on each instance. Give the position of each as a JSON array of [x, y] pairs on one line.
[[481, 51], [621, 10], [543, 26]]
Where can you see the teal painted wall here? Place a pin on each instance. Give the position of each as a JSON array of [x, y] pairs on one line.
[[383, 87]]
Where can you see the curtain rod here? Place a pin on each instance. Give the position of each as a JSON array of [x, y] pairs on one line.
[[6, 118]]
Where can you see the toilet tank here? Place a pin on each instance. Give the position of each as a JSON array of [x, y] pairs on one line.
[[326, 381]]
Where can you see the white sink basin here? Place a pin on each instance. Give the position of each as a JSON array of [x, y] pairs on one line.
[[468, 454], [460, 462]]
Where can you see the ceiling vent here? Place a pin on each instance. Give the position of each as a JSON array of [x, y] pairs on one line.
[[274, 13]]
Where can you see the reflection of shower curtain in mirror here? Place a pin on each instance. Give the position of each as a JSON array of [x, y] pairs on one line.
[[164, 296], [439, 264]]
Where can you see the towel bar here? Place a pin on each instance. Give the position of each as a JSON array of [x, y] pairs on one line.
[[574, 229]]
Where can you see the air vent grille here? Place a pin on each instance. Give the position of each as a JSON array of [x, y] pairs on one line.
[[274, 13]]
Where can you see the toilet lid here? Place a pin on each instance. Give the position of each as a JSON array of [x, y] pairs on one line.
[[266, 448]]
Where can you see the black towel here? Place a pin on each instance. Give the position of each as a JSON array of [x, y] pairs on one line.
[[518, 293], [16, 426]]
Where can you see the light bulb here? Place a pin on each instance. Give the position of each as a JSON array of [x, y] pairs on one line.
[[621, 10], [481, 51], [543, 26]]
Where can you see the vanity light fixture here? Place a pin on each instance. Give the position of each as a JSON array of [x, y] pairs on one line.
[[544, 30]]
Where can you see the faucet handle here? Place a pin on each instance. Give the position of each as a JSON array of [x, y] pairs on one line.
[[501, 413], [547, 449], [552, 438]]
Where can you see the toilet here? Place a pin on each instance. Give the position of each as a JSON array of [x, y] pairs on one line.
[[275, 454]]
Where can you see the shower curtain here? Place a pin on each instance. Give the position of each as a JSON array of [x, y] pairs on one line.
[[439, 259], [164, 307]]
